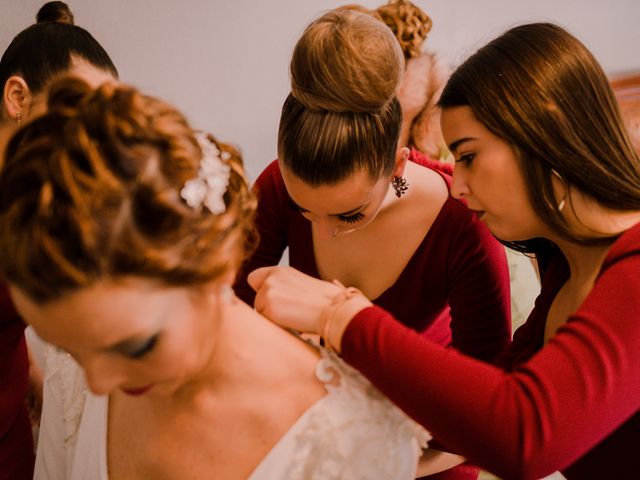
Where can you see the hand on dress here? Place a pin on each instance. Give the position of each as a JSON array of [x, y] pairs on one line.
[[291, 298]]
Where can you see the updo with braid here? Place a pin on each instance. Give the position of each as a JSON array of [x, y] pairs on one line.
[[91, 190], [408, 22]]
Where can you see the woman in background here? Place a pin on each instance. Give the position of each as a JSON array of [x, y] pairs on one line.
[[351, 204], [50, 47]]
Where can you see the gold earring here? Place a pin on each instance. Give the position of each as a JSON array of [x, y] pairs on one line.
[[19, 117]]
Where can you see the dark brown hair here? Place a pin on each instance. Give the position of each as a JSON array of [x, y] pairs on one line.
[[540, 89], [342, 114], [55, 12], [91, 190], [47, 48]]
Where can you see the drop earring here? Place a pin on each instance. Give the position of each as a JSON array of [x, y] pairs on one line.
[[561, 205], [400, 186], [563, 201], [19, 117]]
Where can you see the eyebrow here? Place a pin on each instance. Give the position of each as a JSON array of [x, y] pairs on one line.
[[343, 214], [453, 146]]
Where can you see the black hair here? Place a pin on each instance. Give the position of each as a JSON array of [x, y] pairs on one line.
[[46, 48]]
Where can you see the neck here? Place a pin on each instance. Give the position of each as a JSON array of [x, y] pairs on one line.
[[247, 347], [6, 130], [588, 217], [584, 261]]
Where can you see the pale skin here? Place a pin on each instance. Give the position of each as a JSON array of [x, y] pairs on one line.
[[488, 177], [361, 218], [179, 346], [194, 371]]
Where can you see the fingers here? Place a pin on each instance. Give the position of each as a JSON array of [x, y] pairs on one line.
[[259, 275]]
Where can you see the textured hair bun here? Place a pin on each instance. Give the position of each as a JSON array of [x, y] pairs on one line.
[[409, 23], [55, 12], [346, 61]]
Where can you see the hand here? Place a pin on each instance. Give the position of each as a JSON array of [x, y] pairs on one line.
[[291, 298]]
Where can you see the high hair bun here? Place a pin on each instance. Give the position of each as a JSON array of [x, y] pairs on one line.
[[346, 61], [55, 12]]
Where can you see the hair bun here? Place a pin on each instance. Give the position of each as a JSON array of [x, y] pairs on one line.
[[346, 61], [408, 22], [55, 12], [67, 93]]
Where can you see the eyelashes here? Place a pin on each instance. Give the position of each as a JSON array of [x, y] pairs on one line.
[[145, 348], [466, 159], [356, 217]]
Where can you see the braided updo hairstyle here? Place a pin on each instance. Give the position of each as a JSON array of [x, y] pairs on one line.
[[409, 23], [342, 114], [91, 190]]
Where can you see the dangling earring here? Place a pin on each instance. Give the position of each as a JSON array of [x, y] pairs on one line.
[[400, 186], [19, 117], [561, 205], [563, 201]]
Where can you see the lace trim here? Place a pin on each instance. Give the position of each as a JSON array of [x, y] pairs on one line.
[[67, 383], [358, 433]]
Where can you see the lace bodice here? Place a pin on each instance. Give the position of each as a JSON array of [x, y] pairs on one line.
[[352, 432]]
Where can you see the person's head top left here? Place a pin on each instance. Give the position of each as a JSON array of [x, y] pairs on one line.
[[52, 46], [93, 189]]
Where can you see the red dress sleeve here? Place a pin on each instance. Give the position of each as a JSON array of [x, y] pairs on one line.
[[16, 443], [270, 225], [479, 292], [573, 403]]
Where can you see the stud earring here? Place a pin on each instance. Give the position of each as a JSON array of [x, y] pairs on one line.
[[19, 117], [400, 186]]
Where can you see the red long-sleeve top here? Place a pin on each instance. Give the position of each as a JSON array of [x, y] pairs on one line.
[[570, 405], [454, 290], [16, 442]]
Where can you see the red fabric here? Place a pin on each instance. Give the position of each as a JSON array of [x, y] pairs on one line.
[[571, 406], [454, 290], [16, 442]]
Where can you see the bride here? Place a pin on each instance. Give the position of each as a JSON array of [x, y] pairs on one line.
[[123, 232]]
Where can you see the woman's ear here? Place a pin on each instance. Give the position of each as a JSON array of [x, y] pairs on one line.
[[402, 157], [16, 97]]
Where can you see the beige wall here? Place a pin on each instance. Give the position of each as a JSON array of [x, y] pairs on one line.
[[224, 62]]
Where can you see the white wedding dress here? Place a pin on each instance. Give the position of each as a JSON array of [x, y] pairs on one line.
[[351, 433]]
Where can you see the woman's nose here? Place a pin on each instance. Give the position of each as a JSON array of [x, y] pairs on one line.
[[325, 228], [102, 377], [459, 187]]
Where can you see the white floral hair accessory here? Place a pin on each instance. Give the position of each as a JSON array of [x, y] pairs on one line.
[[211, 182]]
